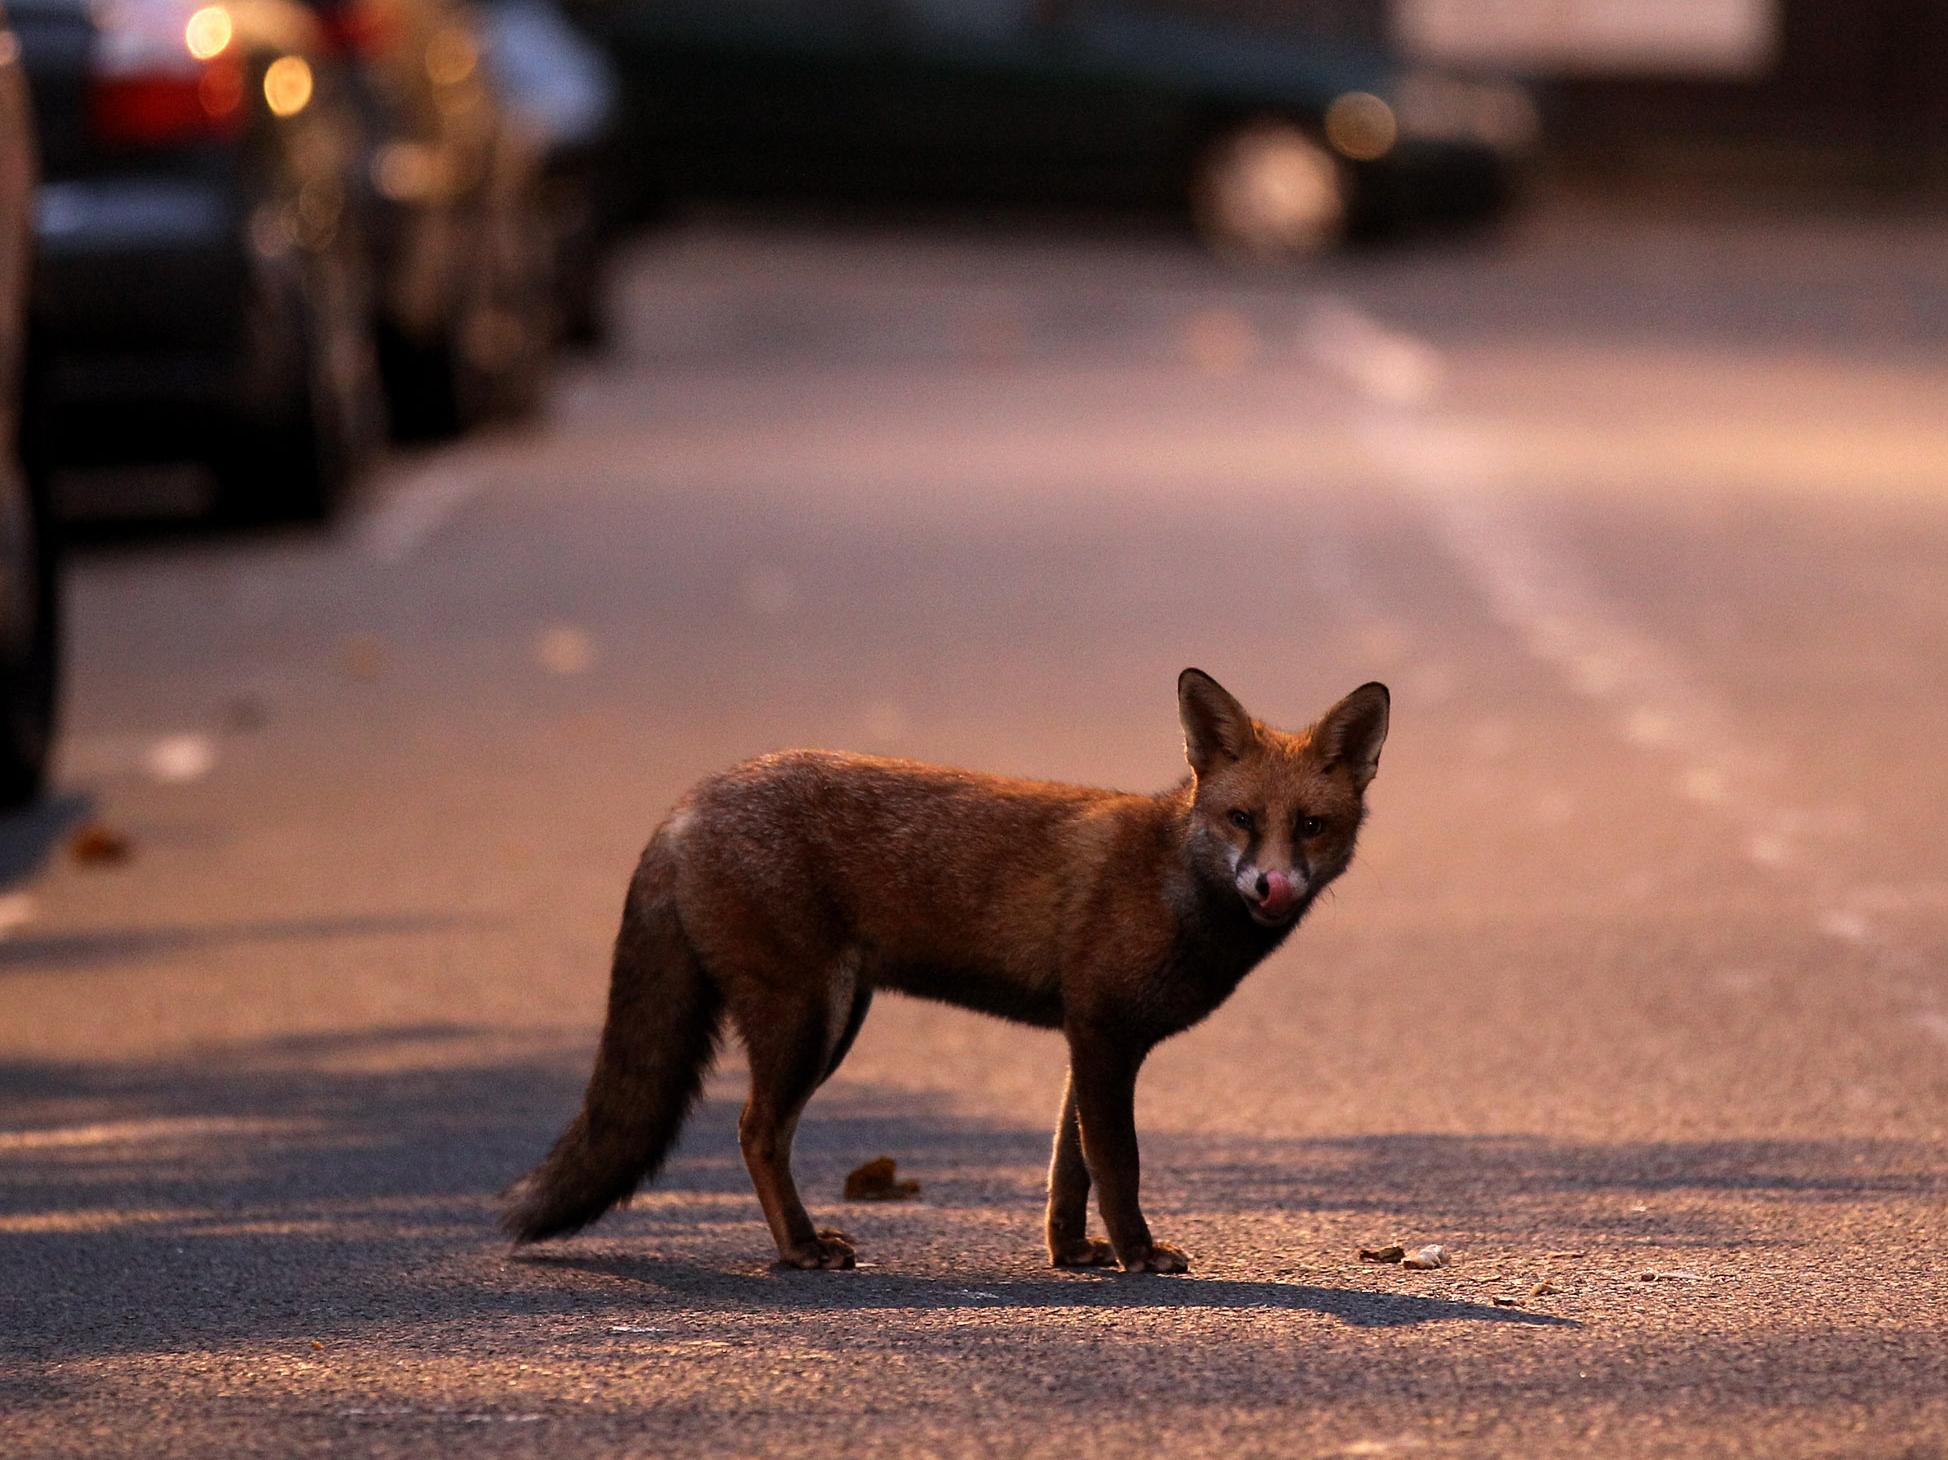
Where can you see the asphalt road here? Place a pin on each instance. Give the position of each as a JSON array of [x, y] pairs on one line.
[[1635, 991]]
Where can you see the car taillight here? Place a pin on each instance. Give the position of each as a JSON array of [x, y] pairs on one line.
[[156, 77], [146, 110], [356, 30]]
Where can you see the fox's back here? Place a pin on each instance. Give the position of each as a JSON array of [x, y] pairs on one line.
[[927, 873]]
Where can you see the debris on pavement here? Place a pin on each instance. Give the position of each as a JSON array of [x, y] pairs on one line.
[[97, 845], [176, 759], [1382, 1254], [16, 911], [1502, 1301], [565, 650], [244, 714], [1431, 1256], [1544, 1289], [1674, 1275], [875, 1181]]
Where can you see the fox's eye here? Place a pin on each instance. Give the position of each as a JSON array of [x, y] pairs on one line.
[[1241, 820], [1310, 826]]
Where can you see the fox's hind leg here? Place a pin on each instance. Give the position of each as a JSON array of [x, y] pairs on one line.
[[794, 1044], [1069, 1242]]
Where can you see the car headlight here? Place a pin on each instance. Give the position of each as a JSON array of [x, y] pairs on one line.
[[1443, 107]]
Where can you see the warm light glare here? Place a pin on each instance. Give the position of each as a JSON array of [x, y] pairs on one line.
[[287, 85], [1361, 126], [208, 32], [451, 57]]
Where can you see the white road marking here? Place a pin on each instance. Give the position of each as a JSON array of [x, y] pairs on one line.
[[401, 525], [1455, 464]]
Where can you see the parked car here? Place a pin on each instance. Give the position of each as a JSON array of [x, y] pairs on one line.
[[30, 638], [1277, 146], [452, 187], [562, 89], [202, 288]]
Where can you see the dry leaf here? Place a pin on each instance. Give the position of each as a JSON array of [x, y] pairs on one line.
[[1382, 1254], [874, 1182], [96, 845], [1431, 1256], [1544, 1289]]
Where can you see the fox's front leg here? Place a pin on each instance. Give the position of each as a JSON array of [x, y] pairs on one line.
[[1069, 1242], [1102, 1077]]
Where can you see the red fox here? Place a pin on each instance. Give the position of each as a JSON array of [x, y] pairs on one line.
[[786, 891]]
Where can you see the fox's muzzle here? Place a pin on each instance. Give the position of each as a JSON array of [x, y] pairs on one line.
[[1270, 896]]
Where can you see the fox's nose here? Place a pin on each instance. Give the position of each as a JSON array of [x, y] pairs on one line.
[[1275, 893]]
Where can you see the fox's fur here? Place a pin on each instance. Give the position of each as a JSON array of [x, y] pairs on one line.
[[786, 891]]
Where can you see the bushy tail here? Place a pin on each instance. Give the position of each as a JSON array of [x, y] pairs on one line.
[[657, 1045]]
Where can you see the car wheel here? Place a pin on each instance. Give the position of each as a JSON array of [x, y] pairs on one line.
[[298, 453], [511, 338], [1268, 192], [490, 360], [30, 638]]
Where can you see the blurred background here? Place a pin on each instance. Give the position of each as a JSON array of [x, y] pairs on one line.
[[439, 432]]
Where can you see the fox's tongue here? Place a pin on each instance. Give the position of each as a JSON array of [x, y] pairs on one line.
[[1278, 898]]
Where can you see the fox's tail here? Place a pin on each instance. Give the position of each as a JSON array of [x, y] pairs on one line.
[[657, 1045]]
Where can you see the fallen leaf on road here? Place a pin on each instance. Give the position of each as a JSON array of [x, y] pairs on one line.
[[96, 845], [1544, 1289], [874, 1182], [1382, 1254], [1431, 1256], [1503, 1302]]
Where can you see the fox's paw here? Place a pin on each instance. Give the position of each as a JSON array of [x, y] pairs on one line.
[[1084, 1252], [1161, 1257], [828, 1251]]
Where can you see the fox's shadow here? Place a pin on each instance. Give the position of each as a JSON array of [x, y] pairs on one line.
[[681, 1284], [123, 1186]]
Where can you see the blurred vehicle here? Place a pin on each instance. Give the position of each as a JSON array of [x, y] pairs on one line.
[[1278, 146], [451, 183], [201, 287], [29, 576], [562, 88]]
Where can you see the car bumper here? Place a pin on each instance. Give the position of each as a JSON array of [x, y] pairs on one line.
[[1431, 181], [140, 289]]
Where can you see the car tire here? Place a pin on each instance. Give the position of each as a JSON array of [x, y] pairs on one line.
[[491, 359], [30, 632], [1267, 191], [298, 456]]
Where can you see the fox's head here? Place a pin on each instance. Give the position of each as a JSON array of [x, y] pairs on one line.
[[1275, 814]]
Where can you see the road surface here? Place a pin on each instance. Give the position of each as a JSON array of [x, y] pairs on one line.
[[1634, 999]]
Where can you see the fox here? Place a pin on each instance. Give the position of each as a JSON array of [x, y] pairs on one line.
[[781, 895]]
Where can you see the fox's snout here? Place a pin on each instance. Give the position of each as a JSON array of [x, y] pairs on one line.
[[1270, 894]]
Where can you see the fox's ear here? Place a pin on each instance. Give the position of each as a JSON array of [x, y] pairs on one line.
[[1352, 732], [1216, 726]]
